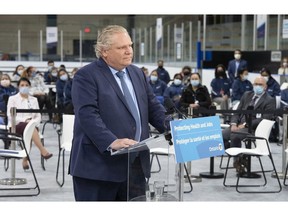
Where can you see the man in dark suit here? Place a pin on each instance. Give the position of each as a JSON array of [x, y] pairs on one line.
[[258, 99], [235, 65], [105, 121]]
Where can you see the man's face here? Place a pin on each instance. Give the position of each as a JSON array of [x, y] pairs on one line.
[[120, 54], [260, 81]]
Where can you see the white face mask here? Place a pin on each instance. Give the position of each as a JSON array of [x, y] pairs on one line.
[[284, 64], [20, 72], [177, 82], [237, 56], [5, 83]]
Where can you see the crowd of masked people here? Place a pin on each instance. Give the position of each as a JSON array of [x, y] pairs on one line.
[[51, 87], [227, 87]]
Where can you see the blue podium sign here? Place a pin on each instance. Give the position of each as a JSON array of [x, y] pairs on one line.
[[197, 138]]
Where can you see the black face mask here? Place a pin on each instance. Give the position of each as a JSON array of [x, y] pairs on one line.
[[221, 73], [160, 66], [186, 73]]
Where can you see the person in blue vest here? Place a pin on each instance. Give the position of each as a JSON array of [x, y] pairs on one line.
[[240, 85], [235, 65], [162, 72], [158, 86], [273, 87], [221, 86], [174, 91]]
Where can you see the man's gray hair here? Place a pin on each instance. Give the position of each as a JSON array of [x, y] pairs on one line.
[[104, 38]]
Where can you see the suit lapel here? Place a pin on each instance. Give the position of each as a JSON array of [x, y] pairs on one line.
[[260, 101], [105, 70]]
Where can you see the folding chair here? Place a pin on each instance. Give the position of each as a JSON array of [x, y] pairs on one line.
[[65, 137], [20, 153], [261, 149]]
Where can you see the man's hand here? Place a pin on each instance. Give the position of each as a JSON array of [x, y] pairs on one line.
[[122, 143]]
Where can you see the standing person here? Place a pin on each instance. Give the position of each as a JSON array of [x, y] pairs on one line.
[[106, 120], [235, 65], [162, 72]]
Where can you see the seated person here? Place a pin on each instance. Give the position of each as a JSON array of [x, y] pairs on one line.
[[273, 87], [240, 85], [195, 95], [174, 91], [68, 105], [63, 78], [158, 86], [259, 99], [221, 87], [6, 90], [23, 100]]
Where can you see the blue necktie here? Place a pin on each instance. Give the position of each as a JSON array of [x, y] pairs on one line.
[[131, 104]]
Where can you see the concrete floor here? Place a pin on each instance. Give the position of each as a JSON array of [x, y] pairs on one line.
[[204, 189]]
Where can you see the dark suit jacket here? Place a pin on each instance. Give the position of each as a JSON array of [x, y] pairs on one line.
[[102, 115], [232, 67], [266, 102]]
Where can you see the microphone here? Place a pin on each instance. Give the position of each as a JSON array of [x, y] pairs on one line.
[[171, 108]]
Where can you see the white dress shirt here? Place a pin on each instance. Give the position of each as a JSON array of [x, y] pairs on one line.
[[23, 103]]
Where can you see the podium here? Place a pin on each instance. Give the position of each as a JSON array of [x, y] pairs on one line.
[[139, 164]]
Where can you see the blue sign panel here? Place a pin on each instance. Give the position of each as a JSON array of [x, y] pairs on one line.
[[197, 138]]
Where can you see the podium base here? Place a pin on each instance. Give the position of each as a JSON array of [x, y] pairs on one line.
[[13, 181], [211, 175]]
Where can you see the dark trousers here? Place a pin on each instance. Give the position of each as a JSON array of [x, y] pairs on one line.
[[96, 190]]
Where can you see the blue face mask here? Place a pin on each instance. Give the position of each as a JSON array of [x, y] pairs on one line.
[[24, 90], [153, 78], [64, 77], [258, 90], [195, 82], [177, 82]]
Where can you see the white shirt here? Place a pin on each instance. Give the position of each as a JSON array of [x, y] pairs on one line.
[[23, 103]]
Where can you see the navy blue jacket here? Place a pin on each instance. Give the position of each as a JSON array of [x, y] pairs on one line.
[[158, 87], [60, 92], [219, 85], [232, 67], [6, 92], [273, 87], [67, 92], [163, 75], [174, 92], [102, 115], [239, 87]]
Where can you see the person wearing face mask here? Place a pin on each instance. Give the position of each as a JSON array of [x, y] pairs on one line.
[[186, 74], [158, 85], [195, 95], [258, 99], [174, 91], [22, 100], [47, 74], [240, 85], [69, 108], [162, 72], [283, 70], [273, 87], [38, 88], [17, 73], [220, 85], [63, 78], [235, 65], [6, 90]]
